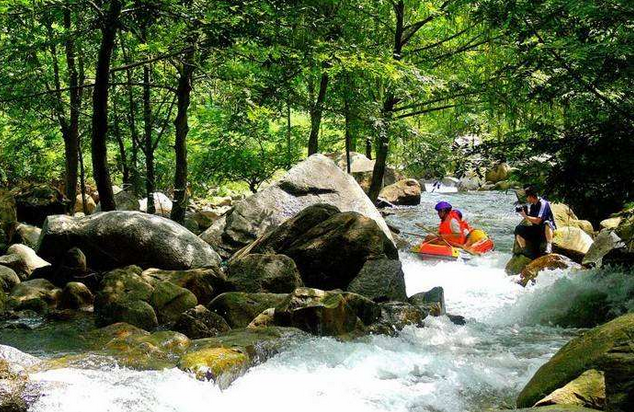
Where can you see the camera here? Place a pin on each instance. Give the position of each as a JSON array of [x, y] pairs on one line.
[[520, 208]]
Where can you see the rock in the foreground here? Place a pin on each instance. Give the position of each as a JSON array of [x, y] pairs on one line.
[[587, 390], [551, 261], [315, 180], [115, 239], [608, 348]]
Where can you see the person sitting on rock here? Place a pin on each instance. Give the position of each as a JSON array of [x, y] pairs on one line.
[[541, 223], [453, 228]]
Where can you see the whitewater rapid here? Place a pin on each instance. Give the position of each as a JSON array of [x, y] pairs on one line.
[[441, 367]]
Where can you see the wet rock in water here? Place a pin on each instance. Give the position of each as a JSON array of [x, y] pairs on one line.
[[99, 338], [23, 260], [380, 280], [115, 239], [587, 390], [157, 350], [324, 313], [221, 365], [315, 180], [17, 393], [8, 219], [8, 279], [90, 204], [432, 301], [457, 319], [571, 242], [123, 297], [471, 181], [269, 273], [36, 294], [517, 264], [552, 408], [35, 203], [170, 301], [396, 315], [199, 322], [76, 295], [403, 192], [204, 283], [608, 348], [551, 261], [605, 242], [28, 235], [240, 308]]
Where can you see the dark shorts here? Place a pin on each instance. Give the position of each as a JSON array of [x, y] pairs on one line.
[[534, 234]]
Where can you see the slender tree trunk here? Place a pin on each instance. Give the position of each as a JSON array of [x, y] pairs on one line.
[[135, 178], [100, 107], [71, 137], [289, 155], [347, 132], [368, 148], [149, 146], [82, 180], [117, 134], [315, 115], [183, 94], [388, 106]]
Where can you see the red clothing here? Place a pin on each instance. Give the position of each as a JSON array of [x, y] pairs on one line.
[[445, 228]]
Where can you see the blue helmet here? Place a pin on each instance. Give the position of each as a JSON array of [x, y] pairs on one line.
[[442, 205]]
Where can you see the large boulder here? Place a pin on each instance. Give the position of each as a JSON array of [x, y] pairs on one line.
[[23, 260], [34, 203], [380, 280], [37, 294], [470, 181], [397, 315], [587, 390], [326, 313], [564, 216], [315, 180], [498, 173], [263, 273], [547, 262], [114, 239], [76, 295], [239, 308], [608, 348], [516, 264], [124, 199], [8, 219], [17, 392], [403, 192], [571, 242]]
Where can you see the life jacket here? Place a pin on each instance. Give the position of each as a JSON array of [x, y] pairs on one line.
[[445, 227]]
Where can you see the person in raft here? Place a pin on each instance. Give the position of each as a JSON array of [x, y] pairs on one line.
[[454, 229], [542, 222]]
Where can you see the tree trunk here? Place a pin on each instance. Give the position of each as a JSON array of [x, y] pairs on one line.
[[388, 106], [149, 146], [315, 115], [289, 156], [71, 137], [183, 94], [123, 158], [347, 133], [82, 181], [100, 107], [368, 148]]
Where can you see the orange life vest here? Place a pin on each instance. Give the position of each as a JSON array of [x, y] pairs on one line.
[[445, 227]]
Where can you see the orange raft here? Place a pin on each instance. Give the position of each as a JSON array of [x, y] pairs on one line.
[[427, 250]]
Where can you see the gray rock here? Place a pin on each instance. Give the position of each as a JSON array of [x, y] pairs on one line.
[[315, 180], [403, 192], [8, 279], [170, 301], [115, 239], [199, 322], [264, 273], [204, 283], [27, 262], [29, 235], [239, 308], [433, 301], [34, 203], [605, 242], [380, 280], [37, 294], [75, 295], [396, 315]]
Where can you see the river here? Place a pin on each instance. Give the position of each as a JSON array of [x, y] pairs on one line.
[[441, 367]]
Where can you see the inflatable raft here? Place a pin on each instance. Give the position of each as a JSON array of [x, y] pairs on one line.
[[432, 251]]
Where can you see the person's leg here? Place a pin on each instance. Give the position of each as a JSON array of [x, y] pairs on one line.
[[549, 233], [520, 241]]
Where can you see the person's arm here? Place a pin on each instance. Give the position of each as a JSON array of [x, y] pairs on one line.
[[536, 220]]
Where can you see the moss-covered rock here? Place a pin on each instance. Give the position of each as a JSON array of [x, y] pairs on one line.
[[8, 279], [199, 322], [608, 348], [552, 408], [403, 192], [222, 365], [397, 315], [170, 301], [380, 280], [239, 308], [587, 390], [551, 261], [36, 294], [135, 312], [8, 219], [76, 295], [204, 283], [516, 264], [432, 301]]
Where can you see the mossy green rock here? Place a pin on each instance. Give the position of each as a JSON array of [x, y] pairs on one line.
[[553, 408], [608, 348], [587, 390], [170, 301], [269, 273], [205, 283], [36, 294], [517, 264], [134, 312], [239, 308], [222, 365]]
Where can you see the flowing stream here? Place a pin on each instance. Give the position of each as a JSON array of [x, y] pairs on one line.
[[441, 367]]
